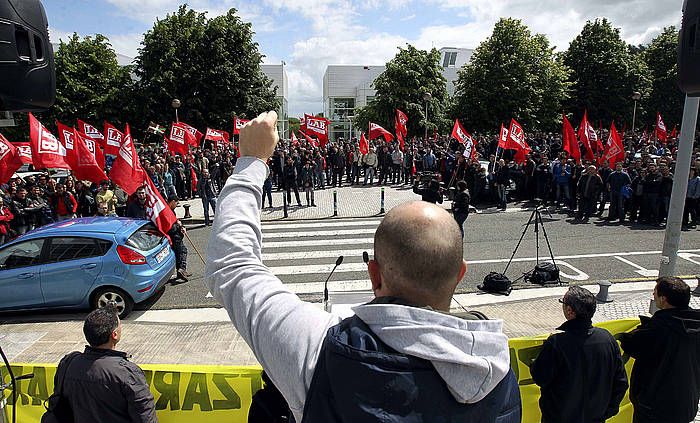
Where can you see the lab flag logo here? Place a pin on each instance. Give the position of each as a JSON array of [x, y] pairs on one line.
[[157, 210], [47, 151], [238, 124], [114, 139], [461, 135]]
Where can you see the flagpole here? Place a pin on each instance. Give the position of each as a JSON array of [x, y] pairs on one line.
[[195, 248]]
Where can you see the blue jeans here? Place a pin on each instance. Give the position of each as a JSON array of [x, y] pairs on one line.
[[206, 202]]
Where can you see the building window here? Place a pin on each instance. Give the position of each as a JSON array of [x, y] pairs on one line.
[[450, 59], [341, 108]]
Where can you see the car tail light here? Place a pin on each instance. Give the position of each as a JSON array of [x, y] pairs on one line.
[[129, 256]]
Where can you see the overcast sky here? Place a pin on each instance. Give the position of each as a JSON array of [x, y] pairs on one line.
[[311, 34]]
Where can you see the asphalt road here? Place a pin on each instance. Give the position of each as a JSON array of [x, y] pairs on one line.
[[302, 253]]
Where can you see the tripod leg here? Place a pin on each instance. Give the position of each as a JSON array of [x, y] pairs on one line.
[[549, 246], [532, 216], [538, 219]]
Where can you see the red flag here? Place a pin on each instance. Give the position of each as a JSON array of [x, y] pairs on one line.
[[87, 167], [569, 141], [614, 150], [461, 135], [126, 171], [217, 136], [503, 137], [516, 141], [157, 210], [587, 135], [10, 161], [196, 135], [310, 140], [294, 139], [674, 132], [661, 133], [238, 124], [24, 152], [180, 139], [302, 123], [402, 142], [114, 139], [91, 132], [400, 124], [47, 151], [364, 144], [376, 131], [319, 127], [67, 137]]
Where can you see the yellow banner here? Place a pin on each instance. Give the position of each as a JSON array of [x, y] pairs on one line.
[[189, 393]]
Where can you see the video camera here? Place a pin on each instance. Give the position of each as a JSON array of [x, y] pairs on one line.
[[426, 183]]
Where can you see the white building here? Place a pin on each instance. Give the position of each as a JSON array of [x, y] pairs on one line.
[[278, 75], [346, 87]]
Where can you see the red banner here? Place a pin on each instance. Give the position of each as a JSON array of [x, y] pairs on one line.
[[89, 162], [400, 123], [569, 141], [661, 133], [310, 140], [614, 149], [503, 137], [588, 137], [196, 135], [376, 131], [217, 136], [157, 210], [126, 171], [47, 151], [364, 144], [238, 124], [67, 137], [294, 140], [91, 132], [10, 161], [180, 139], [114, 140], [461, 135], [24, 152], [319, 127]]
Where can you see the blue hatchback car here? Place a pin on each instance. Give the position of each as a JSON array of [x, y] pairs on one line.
[[85, 263]]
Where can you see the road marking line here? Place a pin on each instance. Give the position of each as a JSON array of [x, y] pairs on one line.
[[317, 243], [687, 256], [308, 234], [317, 287], [316, 225], [305, 255], [641, 270]]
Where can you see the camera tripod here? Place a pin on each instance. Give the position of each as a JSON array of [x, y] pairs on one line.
[[535, 217]]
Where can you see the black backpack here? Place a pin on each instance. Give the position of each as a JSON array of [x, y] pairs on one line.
[[269, 406], [496, 283], [545, 274]]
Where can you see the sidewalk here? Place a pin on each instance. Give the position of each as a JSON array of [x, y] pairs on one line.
[[206, 336], [353, 202]]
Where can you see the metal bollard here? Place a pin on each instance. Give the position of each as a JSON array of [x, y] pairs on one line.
[[284, 203], [603, 295], [187, 211], [381, 210], [335, 203]]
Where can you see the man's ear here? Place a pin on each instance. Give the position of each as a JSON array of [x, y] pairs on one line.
[[375, 275]]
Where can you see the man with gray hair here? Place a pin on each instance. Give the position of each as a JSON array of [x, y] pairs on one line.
[[579, 370], [402, 357]]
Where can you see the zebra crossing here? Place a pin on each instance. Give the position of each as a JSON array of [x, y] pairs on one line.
[[302, 254]]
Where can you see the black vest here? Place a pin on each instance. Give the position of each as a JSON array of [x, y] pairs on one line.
[[358, 378]]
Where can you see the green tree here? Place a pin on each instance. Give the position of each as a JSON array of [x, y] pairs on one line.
[[408, 76], [512, 74], [605, 73], [661, 57], [294, 124], [211, 65]]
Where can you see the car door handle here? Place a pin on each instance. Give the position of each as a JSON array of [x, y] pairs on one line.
[[26, 276], [88, 266]]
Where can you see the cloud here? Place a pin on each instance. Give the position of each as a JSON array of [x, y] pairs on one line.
[[408, 18]]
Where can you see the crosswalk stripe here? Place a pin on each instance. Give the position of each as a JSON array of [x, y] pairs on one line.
[[308, 234], [302, 255], [317, 287], [319, 225], [316, 243]]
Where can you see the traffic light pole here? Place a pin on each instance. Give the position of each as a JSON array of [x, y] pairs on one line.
[[672, 237]]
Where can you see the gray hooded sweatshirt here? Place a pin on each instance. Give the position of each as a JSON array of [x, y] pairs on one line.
[[286, 334]]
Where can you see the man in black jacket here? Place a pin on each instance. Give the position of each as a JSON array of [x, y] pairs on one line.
[[101, 384], [589, 187], [580, 371], [665, 384]]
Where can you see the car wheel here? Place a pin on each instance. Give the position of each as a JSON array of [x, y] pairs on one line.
[[121, 299]]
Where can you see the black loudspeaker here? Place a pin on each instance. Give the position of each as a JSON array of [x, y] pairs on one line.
[[28, 79], [689, 49]]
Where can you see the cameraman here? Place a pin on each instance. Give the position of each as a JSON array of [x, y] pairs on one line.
[[402, 356]]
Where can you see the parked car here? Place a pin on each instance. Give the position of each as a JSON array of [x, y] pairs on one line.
[[85, 263]]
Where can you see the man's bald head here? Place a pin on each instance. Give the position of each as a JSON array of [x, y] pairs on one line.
[[418, 247]]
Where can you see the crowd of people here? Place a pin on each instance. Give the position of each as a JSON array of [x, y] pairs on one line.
[[638, 189]]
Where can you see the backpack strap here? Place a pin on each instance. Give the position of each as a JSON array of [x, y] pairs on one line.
[[71, 356]]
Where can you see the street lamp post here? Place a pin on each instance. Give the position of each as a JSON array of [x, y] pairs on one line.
[[635, 96], [426, 98], [176, 105]]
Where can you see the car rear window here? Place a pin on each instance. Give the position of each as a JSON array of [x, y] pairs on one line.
[[146, 238]]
